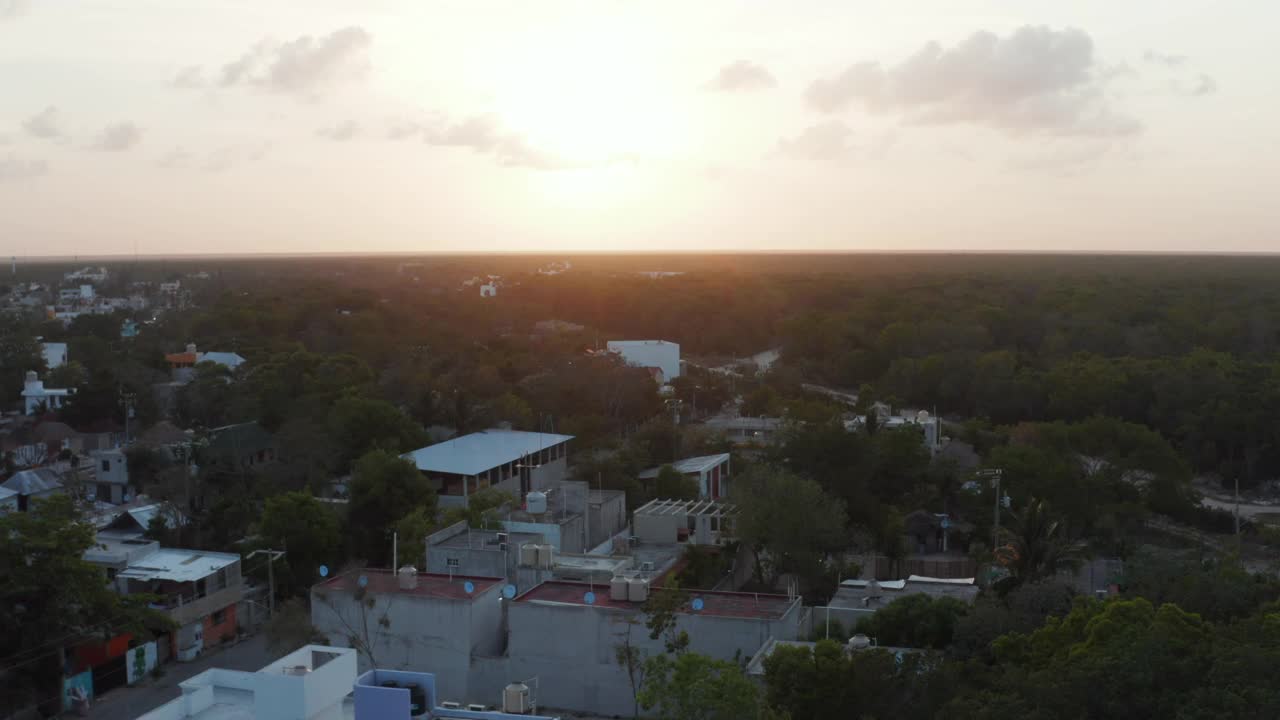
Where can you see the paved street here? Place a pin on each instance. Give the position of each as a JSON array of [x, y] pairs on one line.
[[128, 703]]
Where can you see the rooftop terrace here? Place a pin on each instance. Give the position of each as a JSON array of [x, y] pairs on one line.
[[430, 585], [716, 604]]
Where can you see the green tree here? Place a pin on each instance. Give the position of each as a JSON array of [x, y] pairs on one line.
[[384, 487], [361, 424], [310, 533], [671, 485], [413, 529], [54, 599], [788, 522], [690, 686], [916, 621]]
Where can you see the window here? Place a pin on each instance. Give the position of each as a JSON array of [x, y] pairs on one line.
[[453, 563], [219, 616], [106, 466]]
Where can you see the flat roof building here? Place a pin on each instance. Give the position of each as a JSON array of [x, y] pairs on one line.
[[511, 460]]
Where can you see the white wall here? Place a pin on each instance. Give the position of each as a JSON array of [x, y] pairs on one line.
[[650, 353]]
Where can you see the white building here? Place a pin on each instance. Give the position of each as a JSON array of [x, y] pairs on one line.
[[650, 353], [489, 290], [35, 395], [111, 475], [710, 472], [55, 354]]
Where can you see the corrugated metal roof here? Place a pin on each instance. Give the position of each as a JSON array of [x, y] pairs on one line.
[[33, 482], [478, 452], [699, 464]]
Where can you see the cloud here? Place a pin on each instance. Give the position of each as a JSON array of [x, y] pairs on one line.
[[13, 9], [741, 76], [341, 132], [118, 137], [189, 78], [305, 66], [15, 169], [1205, 85], [1169, 61], [400, 130], [826, 141], [230, 156], [43, 124], [484, 135], [1035, 80], [175, 159]]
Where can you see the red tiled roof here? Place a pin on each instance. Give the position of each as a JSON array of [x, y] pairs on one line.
[[182, 357], [718, 604], [429, 584]]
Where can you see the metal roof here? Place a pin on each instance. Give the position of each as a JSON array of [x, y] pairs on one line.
[[699, 464], [33, 482], [178, 565], [6, 493], [478, 452]]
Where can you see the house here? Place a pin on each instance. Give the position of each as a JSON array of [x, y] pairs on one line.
[[489, 290], [197, 589], [743, 431], [320, 682], [182, 363], [55, 354], [88, 274], [649, 353], [242, 445], [8, 500], [929, 425], [710, 472], [111, 475], [510, 460], [31, 485], [36, 397]]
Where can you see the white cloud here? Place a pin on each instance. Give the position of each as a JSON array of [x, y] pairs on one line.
[[1035, 80], [176, 158], [15, 169], [231, 156], [118, 137], [43, 124], [826, 141], [305, 66], [340, 132], [12, 9], [1205, 85], [190, 78], [484, 135], [742, 75], [1170, 61]]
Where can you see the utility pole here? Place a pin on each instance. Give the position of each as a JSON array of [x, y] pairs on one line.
[[996, 474], [272, 556], [1237, 507]]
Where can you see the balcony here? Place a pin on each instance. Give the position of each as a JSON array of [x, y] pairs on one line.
[[184, 609]]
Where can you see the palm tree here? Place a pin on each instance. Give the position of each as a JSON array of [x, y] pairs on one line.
[[1034, 546]]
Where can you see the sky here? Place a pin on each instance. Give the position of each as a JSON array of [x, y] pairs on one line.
[[274, 126]]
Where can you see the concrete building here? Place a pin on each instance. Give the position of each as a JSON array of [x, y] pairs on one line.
[[710, 472], [111, 475], [198, 590], [243, 445], [182, 364], [461, 550], [55, 354], [701, 522], [650, 353], [431, 621], [510, 460], [873, 595], [566, 634], [319, 682], [747, 431], [33, 484], [929, 425], [36, 396], [570, 516]]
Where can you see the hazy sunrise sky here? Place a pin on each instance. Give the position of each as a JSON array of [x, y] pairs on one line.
[[199, 126]]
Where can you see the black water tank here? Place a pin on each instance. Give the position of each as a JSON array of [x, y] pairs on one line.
[[417, 700]]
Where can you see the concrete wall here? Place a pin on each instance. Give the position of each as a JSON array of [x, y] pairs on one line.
[[572, 649], [658, 528], [422, 634]]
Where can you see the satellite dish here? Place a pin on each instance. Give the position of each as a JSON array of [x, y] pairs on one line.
[[509, 591], [324, 571], [363, 581], [589, 598], [698, 604], [469, 587]]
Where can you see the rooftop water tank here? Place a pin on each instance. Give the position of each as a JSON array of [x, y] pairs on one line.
[[638, 590], [536, 503], [618, 588], [515, 698], [529, 555], [408, 577]]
